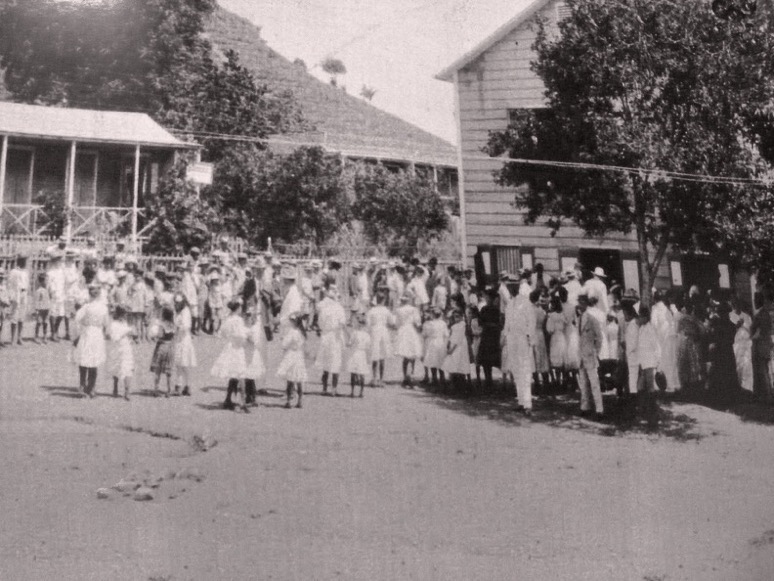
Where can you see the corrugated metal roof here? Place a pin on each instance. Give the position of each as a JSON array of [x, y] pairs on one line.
[[84, 125]]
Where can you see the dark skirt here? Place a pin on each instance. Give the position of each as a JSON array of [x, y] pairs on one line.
[[163, 358]]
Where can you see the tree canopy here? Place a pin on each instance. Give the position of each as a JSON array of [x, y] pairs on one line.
[[651, 84]]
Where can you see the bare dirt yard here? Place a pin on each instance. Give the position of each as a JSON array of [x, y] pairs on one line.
[[403, 484]]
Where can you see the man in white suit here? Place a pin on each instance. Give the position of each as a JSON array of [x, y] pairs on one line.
[[590, 344]]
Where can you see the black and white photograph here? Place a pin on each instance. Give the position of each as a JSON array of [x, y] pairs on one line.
[[403, 290]]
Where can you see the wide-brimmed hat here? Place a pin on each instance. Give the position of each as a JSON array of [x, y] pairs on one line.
[[195, 250], [599, 271], [288, 273]]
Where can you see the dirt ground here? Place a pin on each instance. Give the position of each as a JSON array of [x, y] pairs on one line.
[[399, 485]]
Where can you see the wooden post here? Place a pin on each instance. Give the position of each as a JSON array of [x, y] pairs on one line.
[[135, 195], [3, 162], [461, 173], [70, 191]]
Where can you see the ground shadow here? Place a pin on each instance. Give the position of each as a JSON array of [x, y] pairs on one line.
[[744, 406], [563, 411]]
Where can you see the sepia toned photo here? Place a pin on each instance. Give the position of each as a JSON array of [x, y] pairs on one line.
[[431, 290]]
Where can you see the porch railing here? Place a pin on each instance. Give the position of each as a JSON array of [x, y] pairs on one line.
[[31, 220]]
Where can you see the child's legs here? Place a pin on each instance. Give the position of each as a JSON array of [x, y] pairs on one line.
[[91, 379], [83, 376]]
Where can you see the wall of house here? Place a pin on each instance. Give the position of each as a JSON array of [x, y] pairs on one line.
[[498, 81]]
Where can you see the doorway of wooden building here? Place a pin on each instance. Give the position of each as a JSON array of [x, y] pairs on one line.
[[701, 271], [608, 260]]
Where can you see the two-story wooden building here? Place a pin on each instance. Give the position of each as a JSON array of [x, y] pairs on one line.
[[103, 164], [493, 83]]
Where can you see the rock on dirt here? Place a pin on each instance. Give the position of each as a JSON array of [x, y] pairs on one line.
[[143, 493]]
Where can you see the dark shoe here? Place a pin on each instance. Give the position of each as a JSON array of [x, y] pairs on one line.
[[244, 409], [288, 406], [227, 405], [186, 391], [298, 405], [177, 390], [599, 417]]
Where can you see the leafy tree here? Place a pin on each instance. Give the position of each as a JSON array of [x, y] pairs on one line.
[[650, 84], [180, 217], [334, 67], [396, 209], [300, 196]]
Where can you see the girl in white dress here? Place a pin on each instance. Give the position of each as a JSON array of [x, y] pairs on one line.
[[185, 353], [292, 368], [379, 319], [409, 342], [121, 354], [231, 364], [556, 326], [360, 344], [435, 334], [256, 338], [91, 323], [457, 360]]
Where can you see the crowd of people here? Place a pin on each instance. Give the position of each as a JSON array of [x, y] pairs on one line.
[[546, 334]]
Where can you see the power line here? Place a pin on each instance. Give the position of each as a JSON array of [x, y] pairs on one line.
[[651, 172]]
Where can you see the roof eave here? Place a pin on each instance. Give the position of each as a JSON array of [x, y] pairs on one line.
[[447, 74], [179, 145]]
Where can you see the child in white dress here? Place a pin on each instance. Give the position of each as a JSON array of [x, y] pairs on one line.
[[292, 368], [556, 327], [457, 361], [231, 364], [379, 319], [435, 334], [360, 343], [409, 342], [121, 352]]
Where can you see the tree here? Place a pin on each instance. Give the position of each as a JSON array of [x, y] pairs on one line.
[[334, 67], [397, 209], [288, 198], [367, 93], [180, 217], [651, 84]]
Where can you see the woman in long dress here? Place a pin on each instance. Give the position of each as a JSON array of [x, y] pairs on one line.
[[662, 320], [91, 323], [489, 353], [690, 338], [378, 320], [743, 346], [722, 381], [572, 360], [185, 353], [231, 364], [408, 341], [542, 364]]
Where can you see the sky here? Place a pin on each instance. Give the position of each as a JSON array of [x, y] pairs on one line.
[[394, 46]]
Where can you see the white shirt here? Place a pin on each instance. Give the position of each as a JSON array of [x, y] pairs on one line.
[[598, 289]]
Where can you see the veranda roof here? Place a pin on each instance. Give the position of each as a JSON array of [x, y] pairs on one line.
[[85, 125]]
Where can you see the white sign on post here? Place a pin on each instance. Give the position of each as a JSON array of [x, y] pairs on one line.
[[200, 173], [677, 273]]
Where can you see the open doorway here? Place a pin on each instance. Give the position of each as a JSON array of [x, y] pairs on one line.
[[701, 271], [608, 260]]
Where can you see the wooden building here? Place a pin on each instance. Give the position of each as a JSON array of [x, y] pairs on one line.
[[102, 163], [493, 83]]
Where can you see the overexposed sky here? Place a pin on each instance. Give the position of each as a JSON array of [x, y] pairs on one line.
[[394, 46]]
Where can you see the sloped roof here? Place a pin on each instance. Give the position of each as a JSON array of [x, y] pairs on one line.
[[520, 18], [337, 121], [17, 119]]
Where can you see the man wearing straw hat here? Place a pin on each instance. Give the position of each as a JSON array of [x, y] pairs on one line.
[[596, 287]]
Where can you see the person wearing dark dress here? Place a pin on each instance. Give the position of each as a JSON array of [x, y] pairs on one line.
[[760, 331], [722, 380], [489, 348]]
